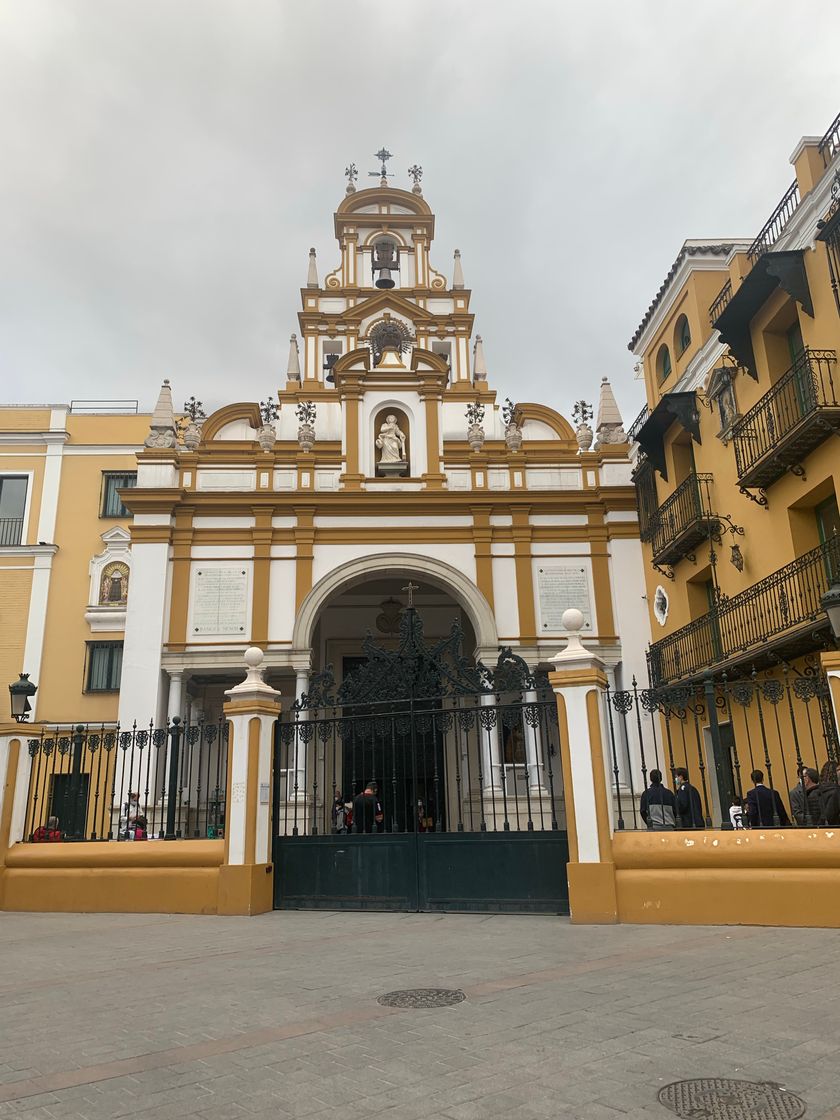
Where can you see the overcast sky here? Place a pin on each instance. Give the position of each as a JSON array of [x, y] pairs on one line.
[[166, 165]]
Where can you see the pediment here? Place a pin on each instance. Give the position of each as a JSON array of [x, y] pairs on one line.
[[387, 301]]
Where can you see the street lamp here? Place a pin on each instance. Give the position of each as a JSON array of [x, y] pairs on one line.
[[830, 603], [20, 693]]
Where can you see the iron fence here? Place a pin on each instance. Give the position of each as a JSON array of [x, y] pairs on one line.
[[647, 500], [448, 763], [773, 228], [720, 733], [785, 605], [829, 146], [805, 391], [105, 782]]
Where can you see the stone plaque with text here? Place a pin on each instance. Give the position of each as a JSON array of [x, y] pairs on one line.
[[220, 601], [559, 587]]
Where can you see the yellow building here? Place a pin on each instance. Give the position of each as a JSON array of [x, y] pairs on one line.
[[737, 480]]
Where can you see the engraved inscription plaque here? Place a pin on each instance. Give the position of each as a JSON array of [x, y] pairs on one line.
[[559, 587], [220, 601]]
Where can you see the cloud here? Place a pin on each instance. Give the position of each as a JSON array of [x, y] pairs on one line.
[[168, 164]]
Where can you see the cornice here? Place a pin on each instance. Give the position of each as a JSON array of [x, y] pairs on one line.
[[28, 550], [19, 437]]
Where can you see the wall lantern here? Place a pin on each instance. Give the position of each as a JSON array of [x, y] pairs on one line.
[[830, 603], [20, 693], [737, 557]]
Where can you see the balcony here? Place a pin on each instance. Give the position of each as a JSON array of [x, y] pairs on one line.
[[11, 531], [778, 616], [774, 227], [683, 520], [721, 302], [789, 421]]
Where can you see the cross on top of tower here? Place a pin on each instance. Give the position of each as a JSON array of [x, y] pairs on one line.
[[383, 155]]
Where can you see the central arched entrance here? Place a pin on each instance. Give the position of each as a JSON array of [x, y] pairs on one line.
[[412, 774]]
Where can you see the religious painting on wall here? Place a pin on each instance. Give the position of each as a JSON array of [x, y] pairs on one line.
[[113, 586]]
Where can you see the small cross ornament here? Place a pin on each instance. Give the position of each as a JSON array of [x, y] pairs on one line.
[[410, 588]]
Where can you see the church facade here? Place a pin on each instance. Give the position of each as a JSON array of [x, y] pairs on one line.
[[384, 491]]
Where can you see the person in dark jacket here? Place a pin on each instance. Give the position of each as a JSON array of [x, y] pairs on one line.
[[765, 808], [658, 806], [367, 810], [813, 797], [797, 798], [830, 794], [689, 806]]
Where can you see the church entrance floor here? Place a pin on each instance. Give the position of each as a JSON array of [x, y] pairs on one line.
[[177, 1018]]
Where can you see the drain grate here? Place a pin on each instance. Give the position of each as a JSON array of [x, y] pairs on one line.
[[423, 997], [718, 1098]]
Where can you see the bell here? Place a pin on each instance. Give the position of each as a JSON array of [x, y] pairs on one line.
[[385, 280], [384, 262], [329, 362]]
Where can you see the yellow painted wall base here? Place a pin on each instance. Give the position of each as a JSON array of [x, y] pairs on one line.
[[592, 898], [145, 878], [781, 877], [246, 889]]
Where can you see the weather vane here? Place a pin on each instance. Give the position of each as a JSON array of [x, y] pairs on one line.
[[416, 173], [352, 175], [383, 155]]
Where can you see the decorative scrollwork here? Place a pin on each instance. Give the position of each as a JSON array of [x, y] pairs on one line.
[[622, 701], [772, 690]]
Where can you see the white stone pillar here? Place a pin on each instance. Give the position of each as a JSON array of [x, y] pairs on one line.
[[252, 709], [534, 749], [491, 758], [579, 682]]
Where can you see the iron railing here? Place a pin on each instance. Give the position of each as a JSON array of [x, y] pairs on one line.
[[682, 520], [721, 733], [830, 144], [486, 762], [773, 228], [638, 423], [742, 626], [721, 302], [647, 500], [779, 419], [104, 782], [11, 530]]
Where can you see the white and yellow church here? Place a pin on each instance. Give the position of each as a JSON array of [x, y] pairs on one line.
[[142, 555]]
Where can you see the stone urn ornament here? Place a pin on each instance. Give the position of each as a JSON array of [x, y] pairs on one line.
[[475, 431], [191, 432], [305, 413], [582, 413], [513, 432], [266, 433]]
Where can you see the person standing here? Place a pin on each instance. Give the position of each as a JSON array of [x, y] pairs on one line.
[[339, 814], [658, 806], [813, 797], [765, 808], [367, 810], [689, 806], [796, 796]]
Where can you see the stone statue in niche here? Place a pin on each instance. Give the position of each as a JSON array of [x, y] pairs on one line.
[[113, 589], [391, 444]]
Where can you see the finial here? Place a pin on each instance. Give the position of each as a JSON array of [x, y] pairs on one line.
[[162, 430], [352, 175], [410, 588], [293, 368], [610, 426], [383, 155], [457, 271], [479, 364], [312, 275], [416, 174]]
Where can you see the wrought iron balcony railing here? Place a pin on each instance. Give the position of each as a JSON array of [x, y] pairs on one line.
[[789, 421], [647, 501], [636, 426], [721, 302], [777, 613], [11, 530], [773, 228], [683, 520], [830, 143]]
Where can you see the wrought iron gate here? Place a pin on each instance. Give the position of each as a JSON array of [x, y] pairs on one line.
[[460, 765]]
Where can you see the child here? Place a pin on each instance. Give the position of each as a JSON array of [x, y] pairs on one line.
[[736, 813], [140, 829]]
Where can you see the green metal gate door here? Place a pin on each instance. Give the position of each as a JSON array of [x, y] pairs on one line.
[[460, 763]]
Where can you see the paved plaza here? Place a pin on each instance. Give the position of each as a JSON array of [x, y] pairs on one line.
[[158, 1017]]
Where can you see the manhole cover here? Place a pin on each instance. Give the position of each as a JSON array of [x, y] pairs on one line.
[[717, 1098], [424, 997]]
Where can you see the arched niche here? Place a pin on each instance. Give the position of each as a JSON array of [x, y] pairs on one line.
[[238, 419], [381, 419]]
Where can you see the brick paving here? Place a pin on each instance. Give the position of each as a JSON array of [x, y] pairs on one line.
[[159, 1017]]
